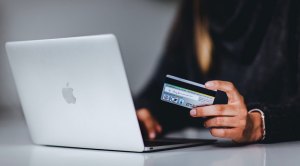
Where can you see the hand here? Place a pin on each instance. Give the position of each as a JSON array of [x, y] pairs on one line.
[[230, 120], [149, 123]]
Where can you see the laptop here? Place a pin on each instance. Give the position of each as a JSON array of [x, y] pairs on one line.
[[74, 93]]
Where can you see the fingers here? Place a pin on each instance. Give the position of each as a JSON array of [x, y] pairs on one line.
[[151, 125], [223, 132], [214, 110], [158, 127], [143, 114], [232, 93], [221, 122], [229, 120]]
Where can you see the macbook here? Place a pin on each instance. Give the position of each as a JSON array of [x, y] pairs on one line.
[[74, 93]]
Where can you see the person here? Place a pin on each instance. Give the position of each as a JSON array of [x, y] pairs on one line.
[[246, 48]]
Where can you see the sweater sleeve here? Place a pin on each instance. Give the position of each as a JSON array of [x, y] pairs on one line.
[[281, 121], [149, 97]]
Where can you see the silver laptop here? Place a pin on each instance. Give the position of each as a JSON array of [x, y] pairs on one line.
[[74, 93]]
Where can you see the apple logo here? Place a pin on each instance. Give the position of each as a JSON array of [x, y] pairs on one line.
[[68, 95]]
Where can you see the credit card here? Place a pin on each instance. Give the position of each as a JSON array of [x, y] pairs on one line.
[[190, 94]]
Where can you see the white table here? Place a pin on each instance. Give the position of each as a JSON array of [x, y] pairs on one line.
[[16, 149]]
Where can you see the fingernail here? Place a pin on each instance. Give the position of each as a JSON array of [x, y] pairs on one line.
[[209, 84], [152, 135], [193, 112]]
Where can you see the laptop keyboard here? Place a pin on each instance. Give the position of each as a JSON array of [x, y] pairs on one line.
[[164, 142], [150, 143]]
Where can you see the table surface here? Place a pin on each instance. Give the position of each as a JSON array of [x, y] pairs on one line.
[[16, 149]]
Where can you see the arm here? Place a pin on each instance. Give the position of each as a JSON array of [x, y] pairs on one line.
[[151, 112]]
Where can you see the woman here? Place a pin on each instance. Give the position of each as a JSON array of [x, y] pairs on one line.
[[250, 49]]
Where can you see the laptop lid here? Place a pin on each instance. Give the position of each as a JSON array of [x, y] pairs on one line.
[[74, 92]]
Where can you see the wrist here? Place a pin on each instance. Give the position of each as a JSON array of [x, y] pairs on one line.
[[257, 126]]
